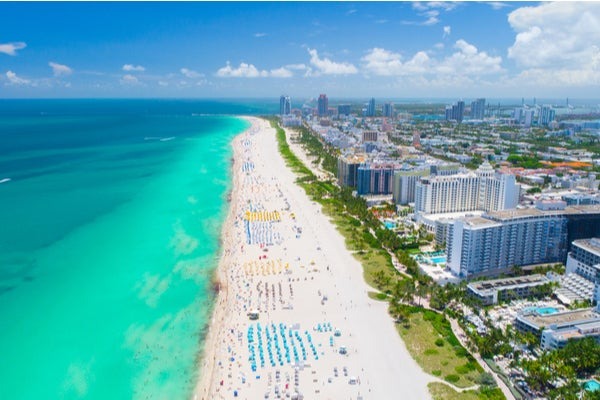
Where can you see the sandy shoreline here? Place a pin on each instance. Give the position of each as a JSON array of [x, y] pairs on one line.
[[318, 333]]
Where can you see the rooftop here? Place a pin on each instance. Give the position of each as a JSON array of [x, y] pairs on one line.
[[535, 212], [572, 318], [507, 283], [590, 245]]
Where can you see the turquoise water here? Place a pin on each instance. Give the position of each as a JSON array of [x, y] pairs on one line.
[[389, 224], [438, 260], [542, 310], [546, 310], [592, 385], [110, 226]]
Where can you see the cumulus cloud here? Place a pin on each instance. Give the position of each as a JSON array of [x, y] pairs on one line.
[[129, 80], [245, 70], [60, 69], [557, 40], [188, 73], [12, 48], [281, 73], [555, 33], [13, 79], [327, 67], [469, 60], [383, 62], [133, 68], [466, 60]]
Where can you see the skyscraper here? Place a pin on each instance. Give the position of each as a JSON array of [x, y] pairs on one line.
[[371, 108], [344, 109], [323, 107], [455, 112], [478, 109], [285, 105], [388, 110], [546, 115]]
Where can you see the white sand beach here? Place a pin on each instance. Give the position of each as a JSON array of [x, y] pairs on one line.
[[318, 334]]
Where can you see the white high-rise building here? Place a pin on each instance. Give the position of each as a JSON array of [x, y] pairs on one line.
[[482, 190]]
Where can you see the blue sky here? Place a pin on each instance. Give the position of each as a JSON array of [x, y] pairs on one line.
[[400, 50]]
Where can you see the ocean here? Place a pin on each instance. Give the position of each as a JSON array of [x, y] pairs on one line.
[[110, 216]]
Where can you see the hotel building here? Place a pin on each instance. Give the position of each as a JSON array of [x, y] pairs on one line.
[[480, 190], [496, 242]]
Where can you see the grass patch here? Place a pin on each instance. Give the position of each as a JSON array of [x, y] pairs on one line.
[[422, 337], [440, 391], [378, 296]]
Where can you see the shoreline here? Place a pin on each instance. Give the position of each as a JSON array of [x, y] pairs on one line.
[[206, 364], [321, 282]]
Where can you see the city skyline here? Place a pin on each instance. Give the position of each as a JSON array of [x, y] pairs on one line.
[[390, 50]]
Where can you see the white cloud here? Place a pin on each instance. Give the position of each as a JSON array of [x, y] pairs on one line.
[[443, 5], [13, 79], [60, 69], [386, 63], [281, 73], [245, 70], [557, 43], [133, 68], [129, 80], [163, 83], [327, 67], [11, 48], [430, 10], [497, 5], [555, 34], [467, 60], [260, 34], [188, 73], [447, 31]]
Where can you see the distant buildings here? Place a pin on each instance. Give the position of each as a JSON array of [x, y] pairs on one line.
[[344, 109], [370, 136], [480, 190], [323, 105], [371, 108], [546, 115], [285, 105], [478, 109], [388, 110], [455, 112]]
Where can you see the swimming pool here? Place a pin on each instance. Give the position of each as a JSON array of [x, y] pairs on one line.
[[592, 386], [542, 310], [389, 224], [438, 259]]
